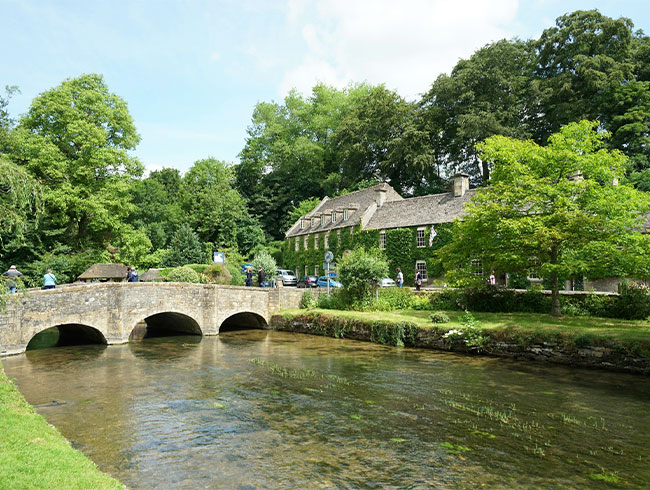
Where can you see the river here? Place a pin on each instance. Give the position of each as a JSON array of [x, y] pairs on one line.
[[255, 409]]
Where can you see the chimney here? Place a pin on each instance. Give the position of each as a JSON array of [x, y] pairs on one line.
[[461, 184], [380, 195]]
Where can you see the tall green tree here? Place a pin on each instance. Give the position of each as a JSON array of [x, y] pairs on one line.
[[75, 139], [558, 205], [20, 202], [488, 94]]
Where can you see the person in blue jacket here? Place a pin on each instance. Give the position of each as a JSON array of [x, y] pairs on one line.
[[49, 280]]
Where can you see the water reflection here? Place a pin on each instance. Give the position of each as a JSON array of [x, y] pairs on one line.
[[263, 409]]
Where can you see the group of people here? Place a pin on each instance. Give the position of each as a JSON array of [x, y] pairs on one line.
[[12, 274], [400, 279], [261, 276]]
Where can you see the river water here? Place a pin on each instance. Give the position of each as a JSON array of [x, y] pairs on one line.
[[261, 409]]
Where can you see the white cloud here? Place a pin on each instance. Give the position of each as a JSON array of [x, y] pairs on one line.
[[404, 44]]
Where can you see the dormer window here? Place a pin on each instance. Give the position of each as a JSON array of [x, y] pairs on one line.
[[314, 222], [345, 215], [333, 216], [322, 220], [302, 223]]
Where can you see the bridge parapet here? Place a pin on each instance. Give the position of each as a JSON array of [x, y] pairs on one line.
[[114, 309]]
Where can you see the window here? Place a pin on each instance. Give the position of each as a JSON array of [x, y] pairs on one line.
[[333, 216], [316, 241], [297, 243], [306, 270], [297, 274], [316, 270], [421, 267], [533, 272], [338, 238], [302, 223], [327, 240], [345, 215], [420, 238], [305, 242], [322, 220], [476, 267], [314, 222], [351, 230], [382, 239]]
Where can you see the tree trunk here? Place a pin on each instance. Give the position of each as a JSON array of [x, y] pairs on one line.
[[555, 290]]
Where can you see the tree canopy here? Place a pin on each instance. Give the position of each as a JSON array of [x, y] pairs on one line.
[[560, 206]]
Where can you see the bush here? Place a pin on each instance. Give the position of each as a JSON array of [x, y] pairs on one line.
[[422, 302], [268, 264], [217, 274], [308, 300], [439, 317], [183, 274], [338, 299], [396, 298], [633, 301]]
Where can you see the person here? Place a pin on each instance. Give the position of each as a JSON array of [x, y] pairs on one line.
[[131, 274], [249, 276], [261, 276], [493, 279], [49, 280], [418, 280], [400, 277], [12, 274]]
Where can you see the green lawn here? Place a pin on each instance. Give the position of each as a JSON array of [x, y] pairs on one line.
[[512, 324], [34, 455]]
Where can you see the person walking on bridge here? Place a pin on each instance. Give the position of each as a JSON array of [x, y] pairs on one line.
[[12, 274], [49, 280]]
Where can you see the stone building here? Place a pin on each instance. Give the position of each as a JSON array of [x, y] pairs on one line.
[[409, 229]]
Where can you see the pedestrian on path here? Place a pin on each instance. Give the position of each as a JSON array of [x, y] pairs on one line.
[[261, 276]]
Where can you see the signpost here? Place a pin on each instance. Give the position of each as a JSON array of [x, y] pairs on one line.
[[329, 256]]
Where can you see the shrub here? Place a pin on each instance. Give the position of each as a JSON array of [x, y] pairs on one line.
[[308, 300], [396, 298], [264, 259], [183, 274], [439, 317], [633, 301], [338, 299], [422, 302], [217, 274]]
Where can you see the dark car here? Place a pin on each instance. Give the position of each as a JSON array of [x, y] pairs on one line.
[[308, 282]]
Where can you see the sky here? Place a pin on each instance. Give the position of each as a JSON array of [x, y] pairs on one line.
[[192, 71]]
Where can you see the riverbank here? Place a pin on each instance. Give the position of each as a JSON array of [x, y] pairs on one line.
[[588, 342], [33, 454]]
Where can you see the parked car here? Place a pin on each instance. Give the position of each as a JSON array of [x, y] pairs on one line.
[[286, 277], [308, 282], [386, 282], [322, 282]]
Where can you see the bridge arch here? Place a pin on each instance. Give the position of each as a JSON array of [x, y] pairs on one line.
[[243, 320], [165, 323], [66, 334]]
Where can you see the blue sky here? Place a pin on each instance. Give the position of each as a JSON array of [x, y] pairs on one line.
[[192, 71]]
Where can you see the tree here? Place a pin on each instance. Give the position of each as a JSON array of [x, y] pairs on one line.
[[559, 206], [267, 262], [185, 248], [360, 272], [75, 140], [20, 201], [488, 94]]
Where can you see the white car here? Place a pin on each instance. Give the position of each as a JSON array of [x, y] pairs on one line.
[[387, 282]]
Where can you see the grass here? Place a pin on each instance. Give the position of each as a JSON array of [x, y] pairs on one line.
[[33, 454], [624, 331]]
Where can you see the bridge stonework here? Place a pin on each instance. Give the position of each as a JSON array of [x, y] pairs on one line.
[[114, 309]]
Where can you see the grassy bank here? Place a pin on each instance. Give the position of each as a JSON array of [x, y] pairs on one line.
[[34, 455], [602, 342]]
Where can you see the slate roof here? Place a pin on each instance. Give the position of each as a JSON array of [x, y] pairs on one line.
[[358, 203], [420, 211], [105, 271]]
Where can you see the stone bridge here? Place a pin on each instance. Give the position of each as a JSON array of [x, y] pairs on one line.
[[109, 312]]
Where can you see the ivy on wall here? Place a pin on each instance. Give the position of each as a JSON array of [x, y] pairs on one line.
[[401, 249]]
